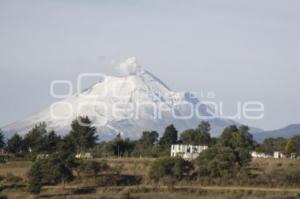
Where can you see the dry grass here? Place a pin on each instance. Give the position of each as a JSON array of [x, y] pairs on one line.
[[140, 166], [268, 165], [151, 193], [130, 166], [17, 168]]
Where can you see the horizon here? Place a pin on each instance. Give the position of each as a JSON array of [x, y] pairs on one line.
[[240, 51]]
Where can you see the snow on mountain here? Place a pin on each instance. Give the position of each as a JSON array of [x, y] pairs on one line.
[[128, 105]]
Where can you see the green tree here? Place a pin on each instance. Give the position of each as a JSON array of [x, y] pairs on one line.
[[217, 161], [169, 137], [50, 142], [203, 134], [290, 147], [296, 139], [34, 138], [188, 137], [67, 151], [35, 176], [240, 141], [204, 127], [174, 167], [2, 141], [145, 146], [272, 144], [149, 138], [120, 147], [94, 167], [198, 136], [15, 144], [54, 169], [83, 134]]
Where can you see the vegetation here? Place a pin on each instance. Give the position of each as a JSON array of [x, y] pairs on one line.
[[198, 136], [175, 168], [169, 137], [285, 146], [227, 161], [15, 144], [35, 177], [83, 134], [2, 141]]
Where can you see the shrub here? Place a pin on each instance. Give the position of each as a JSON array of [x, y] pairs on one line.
[[104, 197], [169, 181], [93, 167], [175, 167], [279, 164], [83, 190], [35, 187], [292, 176], [127, 195], [11, 178], [2, 196], [236, 195], [106, 180], [35, 176], [118, 180], [217, 161]]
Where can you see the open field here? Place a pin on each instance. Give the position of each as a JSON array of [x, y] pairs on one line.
[[184, 192], [86, 187]]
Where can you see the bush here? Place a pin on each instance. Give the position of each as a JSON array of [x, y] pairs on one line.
[[175, 167], [169, 181], [292, 176], [35, 187], [217, 161], [127, 195], [236, 195], [118, 180], [2, 196], [35, 176], [83, 190], [104, 197], [93, 167], [11, 178]]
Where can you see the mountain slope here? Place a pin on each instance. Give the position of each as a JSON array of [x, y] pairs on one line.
[[286, 132], [128, 105]]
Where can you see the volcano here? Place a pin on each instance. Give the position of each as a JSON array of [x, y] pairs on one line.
[[129, 105]]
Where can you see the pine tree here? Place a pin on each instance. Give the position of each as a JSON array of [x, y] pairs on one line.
[[240, 141], [15, 144], [2, 141], [35, 176], [83, 134], [34, 139], [290, 147], [170, 137]]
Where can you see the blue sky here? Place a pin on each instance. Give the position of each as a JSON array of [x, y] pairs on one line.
[[241, 50]]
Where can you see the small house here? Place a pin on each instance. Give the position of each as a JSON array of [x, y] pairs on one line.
[[187, 151], [255, 154], [84, 156]]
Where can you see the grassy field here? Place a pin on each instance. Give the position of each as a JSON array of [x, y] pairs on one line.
[[86, 187]]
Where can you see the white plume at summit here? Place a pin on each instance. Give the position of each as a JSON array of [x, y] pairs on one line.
[[130, 66]]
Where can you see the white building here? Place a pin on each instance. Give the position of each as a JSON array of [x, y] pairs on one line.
[[255, 154], [278, 154], [186, 151], [84, 156]]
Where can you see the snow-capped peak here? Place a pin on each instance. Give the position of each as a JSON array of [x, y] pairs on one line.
[[130, 104]]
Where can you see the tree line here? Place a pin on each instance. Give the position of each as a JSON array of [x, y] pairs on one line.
[[83, 138], [228, 156]]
